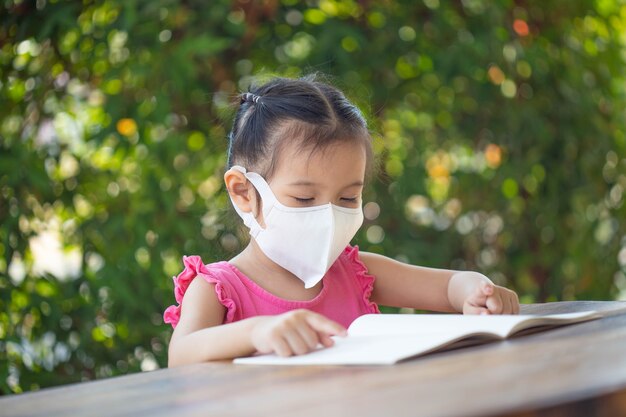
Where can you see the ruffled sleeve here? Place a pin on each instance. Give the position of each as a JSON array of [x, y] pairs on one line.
[[364, 279], [193, 268]]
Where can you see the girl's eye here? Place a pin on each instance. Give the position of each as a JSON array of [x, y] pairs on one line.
[[301, 200]]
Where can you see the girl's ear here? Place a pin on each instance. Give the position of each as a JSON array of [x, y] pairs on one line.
[[241, 191]]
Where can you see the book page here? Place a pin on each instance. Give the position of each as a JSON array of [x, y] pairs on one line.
[[546, 322], [419, 324], [361, 350], [497, 325]]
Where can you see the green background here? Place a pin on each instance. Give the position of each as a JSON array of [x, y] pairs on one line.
[[498, 130]]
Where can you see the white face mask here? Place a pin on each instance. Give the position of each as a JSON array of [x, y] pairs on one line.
[[304, 240]]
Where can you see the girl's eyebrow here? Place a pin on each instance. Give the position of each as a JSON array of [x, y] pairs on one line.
[[306, 183]]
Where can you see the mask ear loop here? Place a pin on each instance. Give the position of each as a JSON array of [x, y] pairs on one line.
[[267, 197]]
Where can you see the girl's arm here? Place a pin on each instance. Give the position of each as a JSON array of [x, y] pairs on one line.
[[403, 285], [200, 335]]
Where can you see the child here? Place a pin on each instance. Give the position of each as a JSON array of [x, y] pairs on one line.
[[298, 157]]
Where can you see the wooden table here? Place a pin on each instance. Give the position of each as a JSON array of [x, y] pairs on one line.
[[577, 370]]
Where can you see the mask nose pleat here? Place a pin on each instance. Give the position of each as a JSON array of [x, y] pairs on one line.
[[333, 231]]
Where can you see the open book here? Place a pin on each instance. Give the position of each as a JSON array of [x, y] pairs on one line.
[[381, 339]]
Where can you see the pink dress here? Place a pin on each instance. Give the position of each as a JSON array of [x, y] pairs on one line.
[[345, 294]]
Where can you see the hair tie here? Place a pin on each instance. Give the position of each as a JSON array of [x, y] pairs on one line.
[[250, 98]]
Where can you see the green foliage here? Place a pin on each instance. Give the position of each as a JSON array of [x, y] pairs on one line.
[[500, 139]]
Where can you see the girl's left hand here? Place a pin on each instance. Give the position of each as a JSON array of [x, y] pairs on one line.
[[489, 298]]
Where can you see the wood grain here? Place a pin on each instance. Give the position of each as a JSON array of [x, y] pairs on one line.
[[576, 367]]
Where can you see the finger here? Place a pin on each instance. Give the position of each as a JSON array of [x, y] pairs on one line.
[[281, 347], [309, 336], [326, 340], [514, 304], [507, 307], [494, 304], [322, 324], [296, 343], [480, 295], [477, 298], [471, 309], [487, 288], [504, 303], [509, 302]]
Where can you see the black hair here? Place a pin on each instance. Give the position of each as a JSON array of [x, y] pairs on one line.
[[283, 110]]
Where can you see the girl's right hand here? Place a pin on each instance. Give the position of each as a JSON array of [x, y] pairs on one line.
[[294, 333]]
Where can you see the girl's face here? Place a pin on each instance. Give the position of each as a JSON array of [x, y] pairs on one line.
[[332, 175]]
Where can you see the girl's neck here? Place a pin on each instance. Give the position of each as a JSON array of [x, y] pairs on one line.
[[270, 276]]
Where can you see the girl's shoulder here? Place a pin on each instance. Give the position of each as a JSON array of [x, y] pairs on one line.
[[218, 273], [352, 261], [350, 256], [194, 266], [349, 275]]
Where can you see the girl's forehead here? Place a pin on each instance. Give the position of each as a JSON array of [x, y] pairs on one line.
[[345, 160]]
